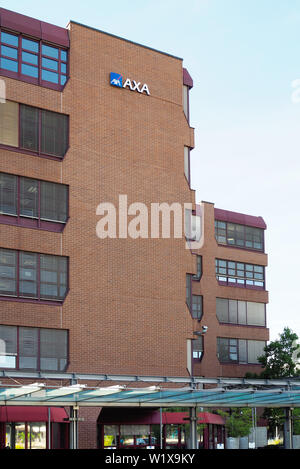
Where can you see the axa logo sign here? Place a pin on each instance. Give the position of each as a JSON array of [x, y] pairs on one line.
[[117, 80]]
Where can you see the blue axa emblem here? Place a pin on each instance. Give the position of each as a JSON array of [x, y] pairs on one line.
[[116, 79]]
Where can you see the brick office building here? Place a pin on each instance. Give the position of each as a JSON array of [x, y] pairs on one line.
[[88, 117]]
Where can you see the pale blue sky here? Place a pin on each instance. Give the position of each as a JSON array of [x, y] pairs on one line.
[[243, 56]]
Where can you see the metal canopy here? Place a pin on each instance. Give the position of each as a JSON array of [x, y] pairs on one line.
[[78, 395]]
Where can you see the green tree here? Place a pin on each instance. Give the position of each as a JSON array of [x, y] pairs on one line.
[[238, 421], [281, 360]]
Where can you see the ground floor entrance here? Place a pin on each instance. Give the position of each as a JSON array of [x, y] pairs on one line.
[[128, 428]]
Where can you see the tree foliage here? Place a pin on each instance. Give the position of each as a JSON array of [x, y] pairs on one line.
[[279, 359], [238, 421]]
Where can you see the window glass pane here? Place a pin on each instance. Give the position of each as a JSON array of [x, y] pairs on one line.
[[54, 201], [54, 133], [53, 277], [242, 351], [28, 274], [36, 435], [63, 68], [8, 274], [242, 319], [187, 163], [222, 309], [8, 64], [28, 347], [31, 58], [256, 313], [233, 311], [30, 45], [255, 350], [63, 79], [9, 52], [53, 349], [50, 51], [223, 349], [29, 197], [30, 71], [8, 194], [8, 346], [50, 76], [9, 39], [197, 307], [48, 63], [29, 128], [9, 123], [63, 55]]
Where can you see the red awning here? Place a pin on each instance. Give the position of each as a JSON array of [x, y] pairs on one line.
[[32, 414]]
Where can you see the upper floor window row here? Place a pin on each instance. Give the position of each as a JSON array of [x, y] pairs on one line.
[[240, 274], [240, 236], [33, 203], [31, 348], [33, 130], [241, 312], [29, 275], [33, 60], [239, 351]]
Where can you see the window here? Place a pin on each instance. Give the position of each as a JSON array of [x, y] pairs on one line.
[[24, 198], [33, 60], [198, 275], [241, 236], [197, 306], [32, 275], [187, 163], [185, 101], [240, 274], [9, 123], [189, 291], [241, 312], [192, 226], [34, 130], [33, 348], [240, 351], [197, 348]]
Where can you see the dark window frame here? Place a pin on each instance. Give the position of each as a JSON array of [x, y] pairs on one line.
[[39, 298], [229, 274], [39, 356], [237, 346], [197, 307], [38, 152], [27, 78], [225, 235], [27, 221], [198, 348], [197, 277], [247, 324]]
